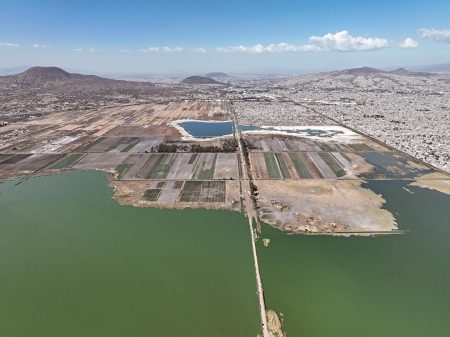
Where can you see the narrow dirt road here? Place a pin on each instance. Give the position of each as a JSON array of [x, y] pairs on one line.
[[251, 214]]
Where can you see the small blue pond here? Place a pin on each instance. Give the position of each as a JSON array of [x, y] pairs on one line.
[[200, 129]]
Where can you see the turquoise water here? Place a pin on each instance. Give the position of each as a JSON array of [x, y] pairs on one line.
[[74, 263]]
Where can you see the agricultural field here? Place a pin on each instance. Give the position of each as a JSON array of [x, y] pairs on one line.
[[300, 165], [277, 143], [190, 166], [66, 162], [203, 191], [151, 165], [125, 141], [305, 185], [216, 194], [122, 144]]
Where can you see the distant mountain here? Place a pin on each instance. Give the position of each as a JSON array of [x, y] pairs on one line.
[[400, 71], [200, 80], [358, 71], [369, 71], [68, 91], [217, 75], [54, 76], [43, 75], [435, 68], [405, 72], [374, 79]]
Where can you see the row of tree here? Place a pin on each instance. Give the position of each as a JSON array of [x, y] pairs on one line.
[[228, 145]]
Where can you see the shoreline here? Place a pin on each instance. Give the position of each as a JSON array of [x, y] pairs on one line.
[[347, 136], [186, 136]]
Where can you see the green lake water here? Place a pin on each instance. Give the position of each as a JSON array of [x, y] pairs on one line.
[[389, 286], [75, 263]]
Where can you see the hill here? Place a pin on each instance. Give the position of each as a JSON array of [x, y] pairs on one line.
[[217, 75], [369, 71], [43, 89], [365, 79], [200, 80], [358, 71], [37, 76]]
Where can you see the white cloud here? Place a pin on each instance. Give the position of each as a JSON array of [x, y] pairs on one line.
[[8, 44], [199, 50], [340, 41], [259, 48], [172, 50], [37, 45], [408, 43], [90, 50], [149, 49], [343, 41], [438, 35], [162, 49]]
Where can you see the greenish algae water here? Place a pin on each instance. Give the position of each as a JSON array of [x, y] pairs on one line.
[[74, 263], [390, 286]]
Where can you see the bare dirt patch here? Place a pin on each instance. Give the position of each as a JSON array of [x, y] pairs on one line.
[[322, 206]]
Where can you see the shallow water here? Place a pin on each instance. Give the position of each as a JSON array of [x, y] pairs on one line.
[[306, 132], [75, 263], [383, 286], [390, 165]]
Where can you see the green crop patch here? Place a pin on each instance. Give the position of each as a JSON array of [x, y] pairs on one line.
[[300, 167], [193, 158], [283, 167], [271, 164], [152, 194], [177, 185], [332, 164], [66, 162], [5, 156], [213, 191], [191, 191], [360, 147], [122, 169], [161, 168], [14, 159], [206, 173], [132, 142], [203, 191], [324, 146], [91, 144], [115, 144]]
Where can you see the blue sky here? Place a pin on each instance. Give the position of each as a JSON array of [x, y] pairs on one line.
[[235, 36]]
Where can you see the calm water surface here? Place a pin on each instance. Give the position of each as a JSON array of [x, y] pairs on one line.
[[351, 287], [202, 129], [75, 263]]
